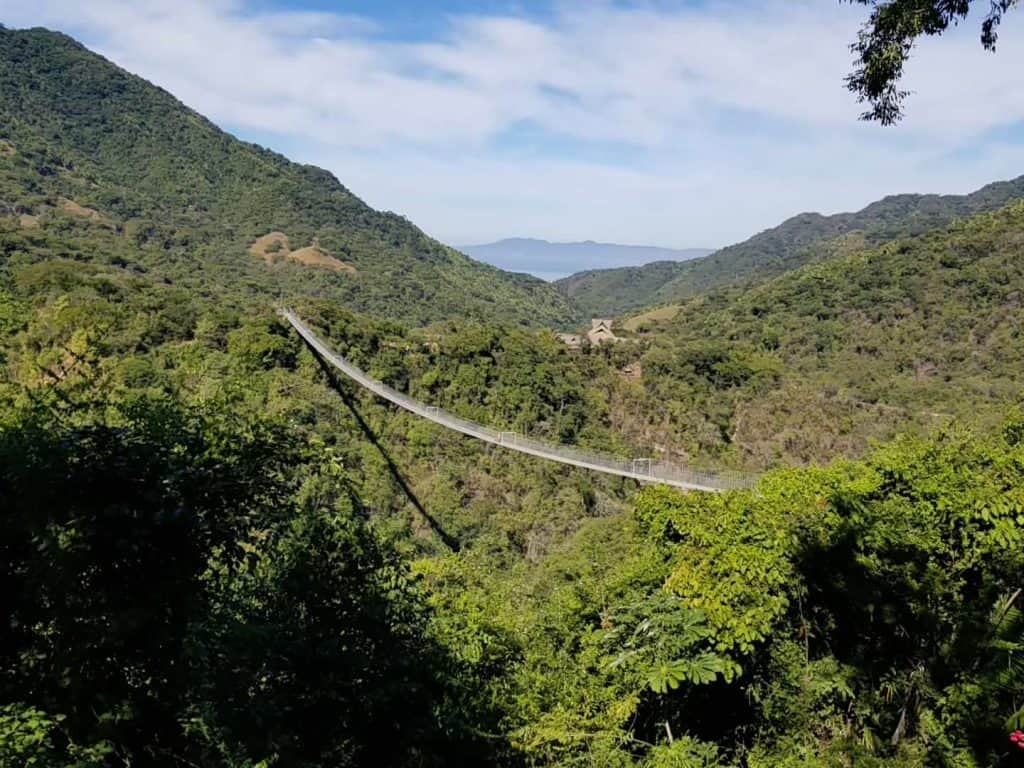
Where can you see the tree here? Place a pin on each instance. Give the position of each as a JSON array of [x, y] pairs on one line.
[[107, 533], [190, 587], [886, 40]]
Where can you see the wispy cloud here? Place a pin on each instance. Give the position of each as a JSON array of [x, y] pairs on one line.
[[670, 124]]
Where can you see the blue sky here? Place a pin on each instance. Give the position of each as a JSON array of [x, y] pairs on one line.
[[408, 19], [681, 124]]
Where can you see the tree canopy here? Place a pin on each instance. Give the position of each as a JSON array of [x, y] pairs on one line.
[[887, 39], [210, 559]]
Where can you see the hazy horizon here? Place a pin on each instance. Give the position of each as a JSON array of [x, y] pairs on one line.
[[554, 260]]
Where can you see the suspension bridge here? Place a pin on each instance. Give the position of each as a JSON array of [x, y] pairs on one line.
[[644, 470]]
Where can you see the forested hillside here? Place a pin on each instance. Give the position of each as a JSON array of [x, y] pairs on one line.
[[83, 143], [206, 460], [613, 292], [216, 554], [812, 364], [213, 560], [803, 239]]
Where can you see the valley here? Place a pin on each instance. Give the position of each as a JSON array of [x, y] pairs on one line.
[[218, 552]]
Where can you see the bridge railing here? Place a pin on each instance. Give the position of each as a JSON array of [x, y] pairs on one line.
[[640, 469]]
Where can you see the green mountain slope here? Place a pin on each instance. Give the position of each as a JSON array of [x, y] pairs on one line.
[[610, 292], [803, 239], [85, 144], [813, 363]]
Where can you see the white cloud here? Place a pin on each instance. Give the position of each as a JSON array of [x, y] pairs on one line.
[[692, 126]]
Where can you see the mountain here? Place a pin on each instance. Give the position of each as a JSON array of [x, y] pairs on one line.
[[85, 145], [802, 239], [543, 257], [612, 292], [813, 364], [213, 554]]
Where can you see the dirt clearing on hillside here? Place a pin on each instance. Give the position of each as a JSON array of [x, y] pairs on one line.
[[270, 247], [72, 208], [315, 256], [275, 247]]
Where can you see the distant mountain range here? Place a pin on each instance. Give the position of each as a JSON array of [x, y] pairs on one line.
[[800, 240], [554, 260]]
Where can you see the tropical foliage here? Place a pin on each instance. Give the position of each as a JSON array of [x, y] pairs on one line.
[[818, 362], [214, 554]]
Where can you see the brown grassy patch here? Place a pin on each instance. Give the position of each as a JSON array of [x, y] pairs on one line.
[[6, 148], [275, 247], [72, 208], [26, 221], [270, 247], [659, 315], [315, 256]]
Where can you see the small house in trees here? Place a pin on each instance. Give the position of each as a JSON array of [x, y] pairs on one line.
[[601, 331]]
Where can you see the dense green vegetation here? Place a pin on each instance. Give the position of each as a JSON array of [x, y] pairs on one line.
[[810, 365], [803, 239], [177, 197], [210, 563], [204, 462], [214, 555], [185, 594], [612, 292]]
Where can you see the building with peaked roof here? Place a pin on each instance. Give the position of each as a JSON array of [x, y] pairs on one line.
[[601, 331]]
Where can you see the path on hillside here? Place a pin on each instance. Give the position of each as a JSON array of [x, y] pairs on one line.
[[644, 470]]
